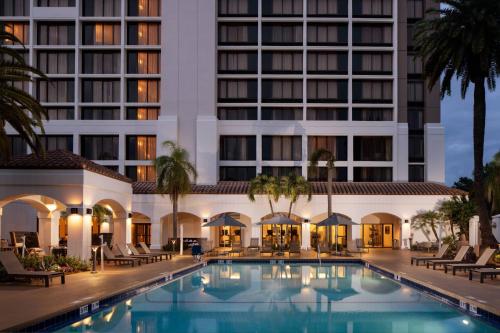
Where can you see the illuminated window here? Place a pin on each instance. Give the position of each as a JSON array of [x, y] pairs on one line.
[[20, 30], [141, 173], [141, 147], [142, 113], [101, 34], [143, 91], [144, 7], [142, 62], [144, 34]]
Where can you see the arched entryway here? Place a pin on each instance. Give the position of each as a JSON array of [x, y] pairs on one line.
[[328, 236], [226, 236], [117, 227], [284, 234], [191, 227], [381, 230]]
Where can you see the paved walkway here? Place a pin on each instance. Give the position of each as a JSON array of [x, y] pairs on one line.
[[22, 303]]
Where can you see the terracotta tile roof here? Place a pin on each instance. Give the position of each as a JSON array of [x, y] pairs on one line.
[[60, 159], [341, 188]]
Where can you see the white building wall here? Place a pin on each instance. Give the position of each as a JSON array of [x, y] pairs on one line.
[[434, 152]]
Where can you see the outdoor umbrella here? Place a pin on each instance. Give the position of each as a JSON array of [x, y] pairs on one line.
[[336, 219], [279, 220], [225, 220]]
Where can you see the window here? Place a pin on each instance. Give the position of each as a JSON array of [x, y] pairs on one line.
[[56, 62], [237, 148], [327, 91], [56, 3], [281, 62], [56, 91], [99, 147], [143, 91], [282, 33], [372, 174], [416, 120], [281, 148], [325, 62], [372, 34], [106, 62], [9, 58], [101, 34], [371, 63], [410, 35], [416, 173], [100, 91], [142, 113], [143, 62], [415, 92], [372, 114], [21, 85], [279, 172], [56, 33], [57, 142], [141, 147], [335, 144], [415, 65], [236, 173], [141, 173], [61, 113], [234, 113], [373, 91], [281, 91], [373, 148], [326, 34], [238, 7], [415, 9], [372, 8], [282, 8], [101, 7], [320, 174], [416, 151], [237, 90], [15, 8], [18, 29], [237, 62], [324, 114], [144, 34], [17, 145], [99, 113], [281, 113], [144, 8], [327, 8], [237, 33]]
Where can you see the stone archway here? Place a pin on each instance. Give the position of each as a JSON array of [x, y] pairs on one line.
[[381, 230], [191, 225], [141, 228], [120, 224]]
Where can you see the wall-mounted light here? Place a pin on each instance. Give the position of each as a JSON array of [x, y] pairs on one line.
[[74, 210], [129, 215], [407, 221], [51, 207], [307, 221], [88, 211], [205, 220]]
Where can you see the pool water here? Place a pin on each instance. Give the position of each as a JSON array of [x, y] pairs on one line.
[[242, 298]]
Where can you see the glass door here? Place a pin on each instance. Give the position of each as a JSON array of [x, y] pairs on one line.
[[377, 235], [141, 232]]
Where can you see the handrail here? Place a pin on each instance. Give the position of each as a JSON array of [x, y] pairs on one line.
[[319, 255]]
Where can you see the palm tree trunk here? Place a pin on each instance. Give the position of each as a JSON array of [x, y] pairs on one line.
[[271, 206], [487, 238], [433, 228], [290, 209], [174, 217]]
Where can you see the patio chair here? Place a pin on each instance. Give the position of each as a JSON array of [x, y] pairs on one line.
[[109, 256], [14, 270], [459, 257], [267, 248], [254, 245], [145, 248], [236, 248], [124, 253], [294, 248], [207, 247], [480, 263], [442, 251], [136, 253], [492, 272]]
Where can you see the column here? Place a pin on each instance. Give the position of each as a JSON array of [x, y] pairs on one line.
[[79, 234], [48, 230], [156, 230], [121, 230], [306, 236]]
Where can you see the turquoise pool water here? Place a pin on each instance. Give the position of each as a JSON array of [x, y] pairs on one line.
[[309, 298]]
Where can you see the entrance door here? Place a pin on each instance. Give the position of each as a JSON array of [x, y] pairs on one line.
[[378, 235], [141, 232]]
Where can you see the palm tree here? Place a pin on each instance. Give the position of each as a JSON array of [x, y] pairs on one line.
[[427, 219], [463, 40], [17, 107], [293, 187], [492, 180], [100, 212], [174, 173], [267, 185], [458, 211]]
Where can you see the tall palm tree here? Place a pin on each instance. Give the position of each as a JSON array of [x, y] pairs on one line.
[[293, 187], [266, 185], [492, 180], [328, 156], [17, 107], [174, 173], [462, 40], [427, 219]]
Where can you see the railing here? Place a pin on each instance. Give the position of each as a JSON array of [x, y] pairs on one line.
[[319, 255]]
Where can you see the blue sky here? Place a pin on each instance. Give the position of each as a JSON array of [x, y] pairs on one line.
[[456, 116]]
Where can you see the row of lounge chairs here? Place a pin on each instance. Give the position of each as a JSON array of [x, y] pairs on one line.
[[458, 263], [254, 247], [123, 257]]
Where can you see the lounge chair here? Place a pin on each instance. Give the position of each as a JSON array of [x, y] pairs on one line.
[[136, 253], [14, 270], [109, 256], [207, 248], [267, 248], [236, 248], [459, 257], [492, 272], [294, 248], [124, 253], [439, 255], [480, 263], [254, 245], [145, 248]]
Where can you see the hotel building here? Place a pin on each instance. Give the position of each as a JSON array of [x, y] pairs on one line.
[[247, 87]]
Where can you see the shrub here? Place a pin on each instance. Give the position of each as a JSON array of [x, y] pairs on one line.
[[33, 262]]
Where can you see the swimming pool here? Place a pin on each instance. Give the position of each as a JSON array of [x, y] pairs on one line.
[[258, 297]]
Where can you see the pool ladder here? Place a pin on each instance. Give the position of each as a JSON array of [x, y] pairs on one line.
[[319, 255]]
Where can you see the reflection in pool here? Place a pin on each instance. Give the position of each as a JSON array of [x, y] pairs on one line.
[[281, 298]]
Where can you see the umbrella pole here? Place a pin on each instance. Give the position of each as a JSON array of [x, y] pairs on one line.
[[336, 239]]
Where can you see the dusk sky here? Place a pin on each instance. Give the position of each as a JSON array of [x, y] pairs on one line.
[[457, 120]]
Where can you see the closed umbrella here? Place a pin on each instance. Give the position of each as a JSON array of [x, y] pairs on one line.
[[279, 220], [336, 219]]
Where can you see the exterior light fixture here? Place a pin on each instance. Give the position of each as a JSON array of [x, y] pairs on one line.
[[51, 207], [307, 221], [74, 211], [407, 221], [205, 220], [129, 215]]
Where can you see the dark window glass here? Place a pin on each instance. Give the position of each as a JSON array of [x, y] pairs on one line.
[[372, 91], [55, 3], [329, 8], [281, 148], [416, 173], [415, 9], [143, 33], [282, 8], [372, 114], [237, 148], [373, 148], [56, 142], [100, 113], [56, 62], [327, 91], [140, 147], [56, 91], [237, 113], [15, 8], [142, 113], [325, 114], [416, 121], [281, 113], [99, 147], [335, 144], [416, 92], [283, 62], [237, 90], [236, 173], [279, 172], [326, 62], [416, 148], [144, 8], [17, 146], [238, 7], [372, 174], [282, 33], [371, 63], [415, 66], [101, 62], [238, 33], [101, 7], [372, 8], [61, 113], [320, 174], [372, 34], [237, 62], [327, 34], [100, 91], [141, 173], [61, 33], [281, 91]]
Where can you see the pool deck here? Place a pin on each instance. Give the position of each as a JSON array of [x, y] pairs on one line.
[[23, 304]]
